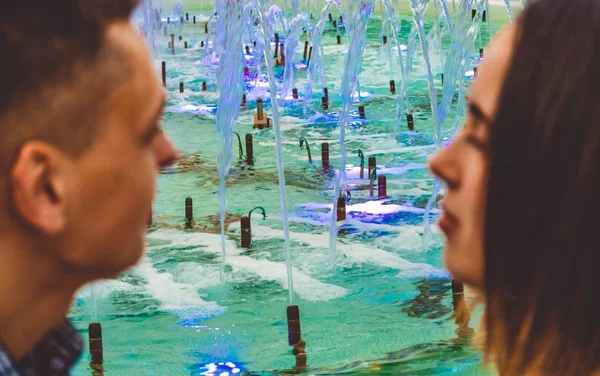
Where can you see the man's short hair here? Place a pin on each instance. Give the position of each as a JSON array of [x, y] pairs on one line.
[[56, 68]]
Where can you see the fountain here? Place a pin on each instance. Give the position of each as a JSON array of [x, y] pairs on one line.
[[348, 246]]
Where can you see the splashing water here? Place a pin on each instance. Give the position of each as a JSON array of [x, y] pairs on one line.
[[403, 99], [229, 82], [291, 42], [509, 9], [419, 7], [316, 60], [352, 66], [150, 12], [458, 59], [280, 170], [391, 16], [94, 301]]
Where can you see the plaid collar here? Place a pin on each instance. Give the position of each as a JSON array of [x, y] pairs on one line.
[[52, 356]]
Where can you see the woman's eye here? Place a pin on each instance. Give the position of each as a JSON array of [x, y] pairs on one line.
[[477, 143]]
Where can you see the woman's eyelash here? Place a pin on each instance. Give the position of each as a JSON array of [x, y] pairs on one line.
[[477, 143]]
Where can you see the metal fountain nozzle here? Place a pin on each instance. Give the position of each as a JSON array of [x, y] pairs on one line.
[[362, 163], [371, 180], [264, 212], [303, 140], [241, 148]]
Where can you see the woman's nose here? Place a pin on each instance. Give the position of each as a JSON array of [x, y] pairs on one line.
[[444, 165]]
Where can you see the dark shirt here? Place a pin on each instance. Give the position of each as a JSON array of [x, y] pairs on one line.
[[54, 355]]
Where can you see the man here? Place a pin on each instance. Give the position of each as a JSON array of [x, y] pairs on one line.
[[80, 148]]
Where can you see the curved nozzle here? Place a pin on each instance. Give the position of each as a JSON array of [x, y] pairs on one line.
[[302, 141], [362, 158], [347, 195], [371, 180], [362, 163], [241, 148], [264, 212]]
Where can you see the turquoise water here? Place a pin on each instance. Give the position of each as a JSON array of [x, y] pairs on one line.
[[384, 308]]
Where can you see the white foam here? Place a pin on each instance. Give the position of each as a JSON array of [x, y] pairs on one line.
[[172, 295], [307, 288], [355, 252]]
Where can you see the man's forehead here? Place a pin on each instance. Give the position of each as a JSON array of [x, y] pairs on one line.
[[140, 95]]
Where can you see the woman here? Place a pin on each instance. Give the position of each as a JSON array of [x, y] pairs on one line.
[[523, 191]]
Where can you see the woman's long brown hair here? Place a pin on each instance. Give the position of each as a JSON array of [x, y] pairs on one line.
[[542, 230]]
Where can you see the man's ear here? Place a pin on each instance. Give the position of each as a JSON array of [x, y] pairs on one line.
[[38, 186]]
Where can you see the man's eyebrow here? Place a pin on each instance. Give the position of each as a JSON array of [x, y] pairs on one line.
[[478, 114], [160, 109], [154, 128]]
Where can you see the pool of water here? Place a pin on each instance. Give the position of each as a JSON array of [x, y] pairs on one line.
[[385, 307]]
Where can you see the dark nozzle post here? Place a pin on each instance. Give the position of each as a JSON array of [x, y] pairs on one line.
[[173, 44], [481, 53], [361, 112], [339, 39], [381, 186], [180, 38], [295, 93], [247, 50], [194, 19], [410, 121], [325, 103], [309, 55], [325, 155], [293, 319], [168, 20], [249, 149], [484, 18], [189, 212], [246, 232], [276, 49], [330, 18], [372, 166], [473, 13], [393, 86], [202, 43], [442, 78], [276, 38], [187, 16], [326, 92], [206, 28], [243, 104], [385, 39], [341, 19], [340, 214], [95, 341], [164, 74], [203, 85], [259, 108], [185, 45], [181, 87], [305, 55], [334, 22], [457, 287]]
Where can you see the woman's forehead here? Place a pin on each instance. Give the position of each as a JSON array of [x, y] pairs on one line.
[[485, 89]]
